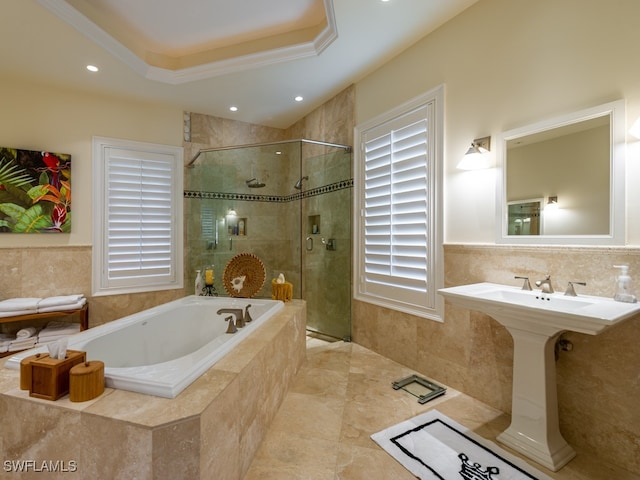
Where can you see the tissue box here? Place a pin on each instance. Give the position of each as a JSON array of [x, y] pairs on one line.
[[50, 377]]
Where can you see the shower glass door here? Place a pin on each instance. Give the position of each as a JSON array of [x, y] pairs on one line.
[[288, 203], [326, 233]]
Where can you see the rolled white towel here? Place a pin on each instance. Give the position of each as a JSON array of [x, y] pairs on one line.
[[19, 304], [26, 333], [59, 300], [64, 308]]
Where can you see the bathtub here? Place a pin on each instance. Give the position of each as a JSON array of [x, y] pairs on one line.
[[162, 350]]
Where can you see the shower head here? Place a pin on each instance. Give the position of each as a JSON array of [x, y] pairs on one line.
[[298, 185], [254, 183]]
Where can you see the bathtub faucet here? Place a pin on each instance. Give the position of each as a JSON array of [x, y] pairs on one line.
[[239, 314], [247, 315], [231, 328]]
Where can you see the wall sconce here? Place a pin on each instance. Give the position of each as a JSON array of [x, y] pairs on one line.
[[231, 214], [476, 157], [634, 131], [552, 203]]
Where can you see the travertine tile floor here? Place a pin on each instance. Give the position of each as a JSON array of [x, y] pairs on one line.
[[342, 395]]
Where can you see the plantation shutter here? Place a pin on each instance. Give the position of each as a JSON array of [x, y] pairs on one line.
[[395, 223], [141, 218], [139, 215]]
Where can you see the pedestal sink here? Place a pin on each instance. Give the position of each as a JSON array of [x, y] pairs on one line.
[[535, 320]]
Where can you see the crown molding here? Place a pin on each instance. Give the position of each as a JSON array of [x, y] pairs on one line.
[[199, 72]]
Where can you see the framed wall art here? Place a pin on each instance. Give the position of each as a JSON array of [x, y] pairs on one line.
[[35, 191]]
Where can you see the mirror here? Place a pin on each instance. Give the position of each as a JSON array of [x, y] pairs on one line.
[[561, 181]]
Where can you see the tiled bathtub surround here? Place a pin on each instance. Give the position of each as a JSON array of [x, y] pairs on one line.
[[211, 430], [598, 387]]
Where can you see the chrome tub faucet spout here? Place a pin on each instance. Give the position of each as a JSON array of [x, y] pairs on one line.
[[545, 285]]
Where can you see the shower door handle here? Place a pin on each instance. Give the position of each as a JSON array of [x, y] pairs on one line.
[[309, 244]]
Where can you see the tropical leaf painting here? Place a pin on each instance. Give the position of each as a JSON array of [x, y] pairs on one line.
[[35, 191]]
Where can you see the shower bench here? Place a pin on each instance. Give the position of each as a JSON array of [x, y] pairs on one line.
[[82, 314]]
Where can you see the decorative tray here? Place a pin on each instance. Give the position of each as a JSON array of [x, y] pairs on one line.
[[243, 275]]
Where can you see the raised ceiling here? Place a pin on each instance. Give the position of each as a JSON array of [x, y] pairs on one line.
[[206, 55]]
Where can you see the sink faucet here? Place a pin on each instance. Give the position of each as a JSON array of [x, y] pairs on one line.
[[545, 284], [571, 292], [239, 322], [526, 285]]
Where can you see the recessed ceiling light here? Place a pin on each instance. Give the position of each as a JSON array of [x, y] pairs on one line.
[[299, 98], [92, 68], [233, 108]]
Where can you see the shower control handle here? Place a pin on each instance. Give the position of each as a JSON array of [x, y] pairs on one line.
[[309, 244]]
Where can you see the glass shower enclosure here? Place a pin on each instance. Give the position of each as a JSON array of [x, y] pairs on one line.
[[289, 204]]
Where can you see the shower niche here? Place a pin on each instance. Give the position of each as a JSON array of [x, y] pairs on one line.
[[281, 202]]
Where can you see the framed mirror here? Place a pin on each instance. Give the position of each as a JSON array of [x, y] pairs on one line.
[[562, 181]]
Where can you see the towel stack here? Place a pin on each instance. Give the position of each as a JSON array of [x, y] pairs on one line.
[[25, 338], [54, 331], [25, 306], [5, 341]]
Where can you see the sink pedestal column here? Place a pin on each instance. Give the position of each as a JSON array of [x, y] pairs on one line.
[[534, 429]]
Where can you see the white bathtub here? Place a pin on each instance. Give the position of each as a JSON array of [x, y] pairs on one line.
[[160, 351]]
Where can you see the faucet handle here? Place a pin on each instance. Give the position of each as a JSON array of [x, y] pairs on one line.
[[247, 315], [570, 292], [232, 324], [526, 285]]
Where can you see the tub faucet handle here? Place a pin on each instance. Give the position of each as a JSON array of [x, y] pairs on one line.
[[526, 285], [231, 328], [247, 315]]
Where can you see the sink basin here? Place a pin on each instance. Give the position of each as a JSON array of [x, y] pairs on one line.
[[542, 312], [535, 320]]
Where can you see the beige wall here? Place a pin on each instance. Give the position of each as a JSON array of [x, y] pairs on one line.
[[39, 117], [505, 64], [508, 63]]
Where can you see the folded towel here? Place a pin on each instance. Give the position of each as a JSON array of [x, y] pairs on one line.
[[26, 332], [64, 308], [59, 332], [59, 300], [19, 304], [16, 313], [4, 348], [4, 343], [22, 345]]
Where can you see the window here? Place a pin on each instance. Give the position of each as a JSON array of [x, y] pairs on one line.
[[137, 234], [398, 237]]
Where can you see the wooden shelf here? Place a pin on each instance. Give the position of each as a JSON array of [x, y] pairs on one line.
[[81, 313]]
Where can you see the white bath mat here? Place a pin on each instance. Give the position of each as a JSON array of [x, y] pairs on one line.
[[432, 446]]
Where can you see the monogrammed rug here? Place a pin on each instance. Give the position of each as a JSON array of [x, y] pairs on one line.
[[432, 446]]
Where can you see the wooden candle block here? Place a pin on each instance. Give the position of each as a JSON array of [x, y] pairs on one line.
[[50, 377], [25, 370], [86, 381]]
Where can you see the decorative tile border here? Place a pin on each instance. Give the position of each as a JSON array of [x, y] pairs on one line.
[[341, 185]]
